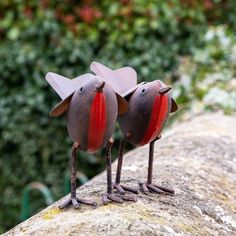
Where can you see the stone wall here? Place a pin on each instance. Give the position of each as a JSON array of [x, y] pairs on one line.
[[197, 158]]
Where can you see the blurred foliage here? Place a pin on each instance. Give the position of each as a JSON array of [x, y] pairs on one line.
[[207, 80], [64, 37]]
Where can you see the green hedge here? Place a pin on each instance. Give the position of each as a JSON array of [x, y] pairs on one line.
[[207, 80], [64, 37]]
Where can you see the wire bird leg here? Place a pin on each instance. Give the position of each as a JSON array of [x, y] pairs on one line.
[[121, 188], [73, 200], [110, 196], [149, 186]]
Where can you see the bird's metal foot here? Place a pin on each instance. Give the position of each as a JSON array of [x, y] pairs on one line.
[[128, 197], [123, 188], [119, 198], [76, 202], [122, 193], [110, 197], [155, 188]]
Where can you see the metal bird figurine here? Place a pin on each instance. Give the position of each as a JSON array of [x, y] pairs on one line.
[[149, 106], [91, 108]]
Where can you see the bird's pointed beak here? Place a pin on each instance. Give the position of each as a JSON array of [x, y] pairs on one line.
[[165, 90], [100, 86]]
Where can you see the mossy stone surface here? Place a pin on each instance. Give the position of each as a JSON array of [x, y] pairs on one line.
[[196, 157]]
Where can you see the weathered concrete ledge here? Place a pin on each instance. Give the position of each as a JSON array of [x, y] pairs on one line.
[[197, 158]]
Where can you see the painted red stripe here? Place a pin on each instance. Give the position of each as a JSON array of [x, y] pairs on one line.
[[157, 119], [97, 122]]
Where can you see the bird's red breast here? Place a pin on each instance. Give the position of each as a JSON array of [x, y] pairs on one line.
[[157, 119], [97, 122], [91, 116]]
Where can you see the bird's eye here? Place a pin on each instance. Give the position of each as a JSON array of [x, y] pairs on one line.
[[81, 89], [143, 90]]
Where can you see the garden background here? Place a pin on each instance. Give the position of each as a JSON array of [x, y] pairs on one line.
[[188, 44]]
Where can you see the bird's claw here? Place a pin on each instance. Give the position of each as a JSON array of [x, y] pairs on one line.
[[118, 198], [155, 188], [76, 202], [128, 197], [123, 188], [110, 197]]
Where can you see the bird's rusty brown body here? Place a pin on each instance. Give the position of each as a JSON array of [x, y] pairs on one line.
[[147, 113], [149, 107], [91, 106], [91, 116]]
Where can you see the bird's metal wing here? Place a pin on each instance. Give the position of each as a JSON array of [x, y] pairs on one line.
[[61, 107], [122, 104], [128, 77], [80, 80], [65, 88], [128, 93], [174, 106], [60, 84], [121, 80]]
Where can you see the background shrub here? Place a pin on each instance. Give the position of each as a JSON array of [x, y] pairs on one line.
[[65, 37]]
